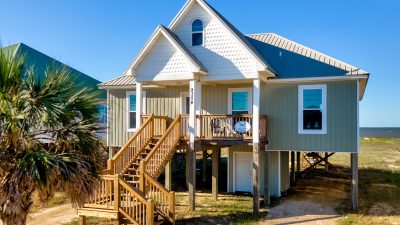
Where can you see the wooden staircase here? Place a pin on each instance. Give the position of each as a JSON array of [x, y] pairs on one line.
[[130, 192]]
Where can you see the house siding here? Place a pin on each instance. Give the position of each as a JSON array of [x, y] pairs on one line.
[[282, 108], [163, 62], [221, 53]]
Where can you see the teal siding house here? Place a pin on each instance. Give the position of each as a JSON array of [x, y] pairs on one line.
[[40, 62]]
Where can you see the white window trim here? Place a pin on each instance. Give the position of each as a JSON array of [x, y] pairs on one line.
[[250, 102], [196, 32], [128, 93], [300, 109]]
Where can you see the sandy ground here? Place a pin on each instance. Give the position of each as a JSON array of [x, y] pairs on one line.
[[312, 201], [53, 216]]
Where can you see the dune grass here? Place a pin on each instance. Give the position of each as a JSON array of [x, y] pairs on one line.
[[379, 183]]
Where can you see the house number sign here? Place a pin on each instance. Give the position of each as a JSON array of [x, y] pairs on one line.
[[191, 96]]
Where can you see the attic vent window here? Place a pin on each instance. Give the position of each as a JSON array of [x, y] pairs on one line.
[[197, 32]]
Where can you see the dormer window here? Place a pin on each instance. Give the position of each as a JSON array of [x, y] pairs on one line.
[[197, 32]]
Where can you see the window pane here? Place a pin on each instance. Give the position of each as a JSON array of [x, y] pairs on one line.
[[312, 120], [197, 39], [132, 120], [132, 103], [197, 25], [312, 99], [240, 101]]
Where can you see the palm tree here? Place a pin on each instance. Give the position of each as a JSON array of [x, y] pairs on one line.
[[48, 138]]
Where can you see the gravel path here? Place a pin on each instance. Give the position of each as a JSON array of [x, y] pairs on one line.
[[313, 203], [53, 216]]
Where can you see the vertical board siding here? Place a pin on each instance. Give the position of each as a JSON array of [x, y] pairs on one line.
[[282, 108], [285, 172], [118, 134], [215, 98]]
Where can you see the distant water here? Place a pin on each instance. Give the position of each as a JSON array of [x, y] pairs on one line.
[[393, 132]]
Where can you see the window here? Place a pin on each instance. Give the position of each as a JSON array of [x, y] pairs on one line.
[[197, 32], [239, 101], [312, 109], [131, 109]]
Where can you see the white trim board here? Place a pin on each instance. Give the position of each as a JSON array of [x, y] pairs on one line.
[[301, 89]]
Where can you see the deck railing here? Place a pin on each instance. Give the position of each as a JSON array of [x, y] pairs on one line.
[[225, 127], [114, 193], [164, 200]]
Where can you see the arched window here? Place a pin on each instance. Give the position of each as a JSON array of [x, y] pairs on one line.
[[197, 32]]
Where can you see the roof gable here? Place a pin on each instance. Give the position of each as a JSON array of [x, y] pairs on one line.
[[238, 36], [178, 50]]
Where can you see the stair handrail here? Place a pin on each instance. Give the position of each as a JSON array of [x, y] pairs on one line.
[[164, 199], [121, 161], [174, 133], [143, 211], [114, 193]]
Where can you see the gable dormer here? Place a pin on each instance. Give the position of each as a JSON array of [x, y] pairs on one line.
[[223, 49]]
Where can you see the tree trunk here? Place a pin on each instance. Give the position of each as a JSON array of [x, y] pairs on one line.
[[15, 205]]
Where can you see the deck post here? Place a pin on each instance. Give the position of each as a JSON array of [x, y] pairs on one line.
[[168, 176], [82, 220], [194, 110], [292, 169], [267, 198], [256, 144], [354, 181], [326, 162], [204, 164], [139, 103], [215, 165], [298, 163]]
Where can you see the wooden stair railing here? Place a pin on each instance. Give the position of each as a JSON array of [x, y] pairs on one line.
[[152, 126], [164, 199], [156, 160], [115, 194]]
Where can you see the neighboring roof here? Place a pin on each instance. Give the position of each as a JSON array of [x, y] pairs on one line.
[[242, 39], [124, 80], [291, 59], [174, 40], [40, 62]]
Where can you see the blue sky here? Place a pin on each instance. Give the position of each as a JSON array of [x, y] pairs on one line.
[[101, 37]]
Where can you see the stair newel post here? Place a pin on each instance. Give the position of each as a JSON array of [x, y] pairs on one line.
[[172, 207], [110, 166], [179, 133], [117, 195], [150, 212], [141, 178], [152, 126]]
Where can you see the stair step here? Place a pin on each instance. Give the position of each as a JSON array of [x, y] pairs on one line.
[[132, 176]]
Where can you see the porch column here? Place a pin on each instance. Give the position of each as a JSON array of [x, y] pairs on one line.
[[215, 163], [256, 146], [139, 103], [267, 198], [354, 181], [204, 164], [195, 98], [298, 155]]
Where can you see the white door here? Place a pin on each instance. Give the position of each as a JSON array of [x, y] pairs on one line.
[[185, 102], [243, 172]]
